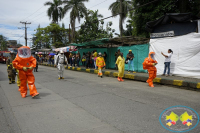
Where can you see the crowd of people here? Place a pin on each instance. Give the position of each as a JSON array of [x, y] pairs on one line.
[[23, 64]]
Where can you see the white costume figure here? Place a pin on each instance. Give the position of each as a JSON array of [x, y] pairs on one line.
[[61, 59]]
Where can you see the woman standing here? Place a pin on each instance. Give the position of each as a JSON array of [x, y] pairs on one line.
[[83, 59], [120, 63], [78, 58], [167, 61]]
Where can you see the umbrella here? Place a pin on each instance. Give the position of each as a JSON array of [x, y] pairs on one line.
[[52, 54]]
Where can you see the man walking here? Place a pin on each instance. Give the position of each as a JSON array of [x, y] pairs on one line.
[[10, 69], [130, 57], [60, 61]]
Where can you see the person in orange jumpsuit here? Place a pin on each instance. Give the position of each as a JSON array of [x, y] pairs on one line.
[[149, 64], [25, 63], [100, 63]]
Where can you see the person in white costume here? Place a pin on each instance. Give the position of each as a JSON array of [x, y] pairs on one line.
[[60, 61]]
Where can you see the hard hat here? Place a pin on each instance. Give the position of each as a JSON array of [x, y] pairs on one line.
[[99, 53], [61, 51], [130, 50], [11, 52]]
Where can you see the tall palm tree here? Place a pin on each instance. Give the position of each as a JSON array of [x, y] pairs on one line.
[[55, 10], [78, 9], [115, 9]]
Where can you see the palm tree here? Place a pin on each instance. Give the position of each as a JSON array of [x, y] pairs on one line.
[[78, 9], [115, 9], [54, 11]]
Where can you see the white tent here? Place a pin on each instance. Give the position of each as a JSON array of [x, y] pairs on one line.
[[185, 60]]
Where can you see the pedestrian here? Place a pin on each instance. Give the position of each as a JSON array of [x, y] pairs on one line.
[[88, 59], [70, 59], [49, 62], [130, 57], [167, 62], [25, 63], [149, 64], [60, 62], [10, 69], [18, 80], [105, 56], [100, 64], [117, 54], [120, 63], [95, 58], [78, 59], [83, 59], [36, 68], [73, 59]]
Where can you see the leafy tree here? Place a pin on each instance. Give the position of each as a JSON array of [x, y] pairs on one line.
[[115, 9], [92, 28], [78, 9], [55, 10], [3, 42], [52, 35]]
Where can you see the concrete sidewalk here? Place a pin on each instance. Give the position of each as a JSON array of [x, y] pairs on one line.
[[182, 82]]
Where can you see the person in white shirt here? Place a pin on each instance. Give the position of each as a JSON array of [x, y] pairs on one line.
[[167, 61]]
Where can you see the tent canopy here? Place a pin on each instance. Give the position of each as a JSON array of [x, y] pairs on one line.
[[169, 18]]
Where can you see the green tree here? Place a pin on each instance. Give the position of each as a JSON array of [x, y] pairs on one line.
[[55, 10], [52, 35], [115, 9], [92, 28], [78, 10], [3, 42]]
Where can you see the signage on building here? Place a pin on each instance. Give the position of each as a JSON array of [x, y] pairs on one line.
[[162, 34]]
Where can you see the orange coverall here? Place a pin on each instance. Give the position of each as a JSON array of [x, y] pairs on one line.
[[100, 64], [148, 64], [26, 76]]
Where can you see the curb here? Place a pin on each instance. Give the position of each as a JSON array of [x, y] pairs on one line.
[[177, 83]]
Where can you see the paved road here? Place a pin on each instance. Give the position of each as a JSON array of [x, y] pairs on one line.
[[84, 103]]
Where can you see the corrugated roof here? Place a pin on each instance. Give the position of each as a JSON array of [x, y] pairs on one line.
[[92, 43]]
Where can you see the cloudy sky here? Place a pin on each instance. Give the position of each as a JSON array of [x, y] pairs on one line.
[[34, 11]]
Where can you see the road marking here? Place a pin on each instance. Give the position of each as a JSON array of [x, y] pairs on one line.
[[78, 69], [87, 70], [107, 73], [157, 80], [129, 76], [115, 74], [178, 82], [198, 85]]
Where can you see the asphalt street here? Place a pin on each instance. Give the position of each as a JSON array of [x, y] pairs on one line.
[[85, 103]]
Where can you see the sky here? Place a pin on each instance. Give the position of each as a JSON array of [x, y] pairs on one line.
[[34, 11]]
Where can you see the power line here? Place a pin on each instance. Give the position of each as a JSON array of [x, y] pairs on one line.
[[34, 12], [99, 3], [20, 37], [94, 6], [128, 10]]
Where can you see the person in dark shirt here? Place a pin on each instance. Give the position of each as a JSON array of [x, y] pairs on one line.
[[130, 57], [105, 56]]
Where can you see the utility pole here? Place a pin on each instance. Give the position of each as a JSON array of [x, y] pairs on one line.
[[25, 31], [120, 18], [69, 34]]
